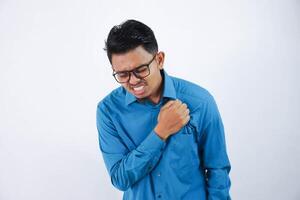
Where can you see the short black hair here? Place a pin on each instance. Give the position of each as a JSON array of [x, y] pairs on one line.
[[129, 35]]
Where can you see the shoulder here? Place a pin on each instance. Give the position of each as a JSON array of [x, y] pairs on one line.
[[184, 87], [114, 98], [191, 93]]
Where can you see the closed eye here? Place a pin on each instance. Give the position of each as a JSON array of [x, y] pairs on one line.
[[141, 69]]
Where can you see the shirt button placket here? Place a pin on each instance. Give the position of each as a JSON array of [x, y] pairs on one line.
[[159, 195]]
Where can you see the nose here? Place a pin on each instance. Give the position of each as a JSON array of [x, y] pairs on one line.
[[133, 79]]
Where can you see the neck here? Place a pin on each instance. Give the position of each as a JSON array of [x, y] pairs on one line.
[[157, 96]]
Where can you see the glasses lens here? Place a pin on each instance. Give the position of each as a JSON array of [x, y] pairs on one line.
[[122, 77], [142, 71]]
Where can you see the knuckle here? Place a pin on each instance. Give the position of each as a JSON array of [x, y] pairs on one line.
[[181, 123]]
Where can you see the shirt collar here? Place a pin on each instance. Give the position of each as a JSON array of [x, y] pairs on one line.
[[168, 89]]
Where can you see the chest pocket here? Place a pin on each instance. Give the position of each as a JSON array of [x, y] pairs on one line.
[[184, 156]]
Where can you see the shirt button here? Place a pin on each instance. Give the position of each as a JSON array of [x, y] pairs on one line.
[[158, 174], [159, 196]]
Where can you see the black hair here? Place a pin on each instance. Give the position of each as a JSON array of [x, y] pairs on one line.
[[129, 35]]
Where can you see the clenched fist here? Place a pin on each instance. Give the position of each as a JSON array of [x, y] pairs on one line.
[[172, 117]]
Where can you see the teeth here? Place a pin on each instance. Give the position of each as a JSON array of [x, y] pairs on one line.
[[138, 88]]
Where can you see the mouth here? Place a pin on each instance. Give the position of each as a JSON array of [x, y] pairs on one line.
[[138, 90]]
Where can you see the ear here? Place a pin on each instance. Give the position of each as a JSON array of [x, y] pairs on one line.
[[160, 59]]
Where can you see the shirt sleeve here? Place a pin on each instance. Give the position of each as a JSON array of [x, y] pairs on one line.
[[126, 167], [213, 149]]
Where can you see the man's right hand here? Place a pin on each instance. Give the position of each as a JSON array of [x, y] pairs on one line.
[[172, 117]]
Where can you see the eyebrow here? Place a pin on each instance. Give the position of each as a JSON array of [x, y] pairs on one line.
[[132, 69]]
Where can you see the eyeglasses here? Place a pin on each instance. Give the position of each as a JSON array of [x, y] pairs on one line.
[[140, 72]]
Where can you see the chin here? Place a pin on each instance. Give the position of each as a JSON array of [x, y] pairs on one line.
[[142, 96]]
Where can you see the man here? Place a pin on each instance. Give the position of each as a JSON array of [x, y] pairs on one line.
[[161, 137]]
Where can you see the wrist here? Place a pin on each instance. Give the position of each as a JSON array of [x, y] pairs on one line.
[[160, 133]]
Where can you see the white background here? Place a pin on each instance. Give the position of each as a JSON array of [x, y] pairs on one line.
[[53, 72]]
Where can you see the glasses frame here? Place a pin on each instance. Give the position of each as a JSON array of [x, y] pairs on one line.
[[134, 71]]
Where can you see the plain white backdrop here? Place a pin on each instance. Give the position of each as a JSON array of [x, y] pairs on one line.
[[53, 72]]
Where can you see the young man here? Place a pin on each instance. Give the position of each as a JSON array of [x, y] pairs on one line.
[[161, 137]]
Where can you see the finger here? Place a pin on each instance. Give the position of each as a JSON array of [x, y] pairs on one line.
[[186, 112], [168, 104], [186, 120], [183, 107], [177, 104]]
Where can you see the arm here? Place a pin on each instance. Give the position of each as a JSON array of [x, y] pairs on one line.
[[126, 167], [215, 160]]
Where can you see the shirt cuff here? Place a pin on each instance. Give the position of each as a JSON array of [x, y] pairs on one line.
[[153, 143]]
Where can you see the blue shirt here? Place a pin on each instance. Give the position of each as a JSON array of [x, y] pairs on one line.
[[190, 165]]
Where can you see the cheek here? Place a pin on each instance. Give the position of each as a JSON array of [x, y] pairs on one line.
[[152, 79], [149, 81]]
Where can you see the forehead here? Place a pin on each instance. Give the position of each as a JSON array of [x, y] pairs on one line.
[[130, 60]]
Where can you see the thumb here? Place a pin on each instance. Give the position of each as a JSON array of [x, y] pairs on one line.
[[168, 104]]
